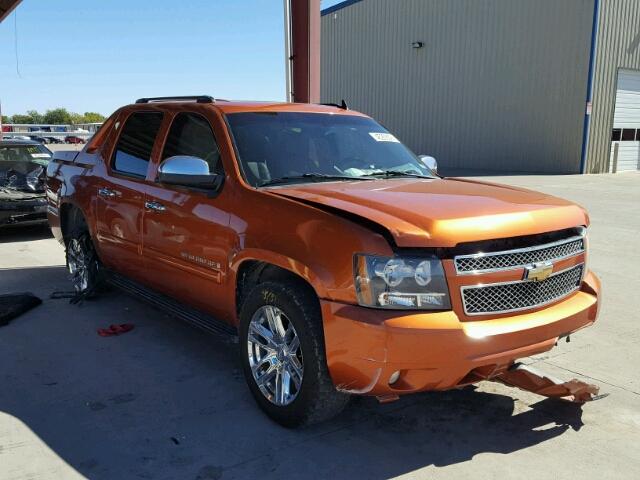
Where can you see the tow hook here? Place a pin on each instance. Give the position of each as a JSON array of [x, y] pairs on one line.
[[532, 380]]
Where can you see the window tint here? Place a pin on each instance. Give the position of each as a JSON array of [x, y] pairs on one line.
[[191, 134], [133, 151]]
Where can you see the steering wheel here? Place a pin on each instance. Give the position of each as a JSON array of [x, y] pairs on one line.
[[352, 162]]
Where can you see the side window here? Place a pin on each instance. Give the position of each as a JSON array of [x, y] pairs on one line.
[[133, 151], [191, 134]]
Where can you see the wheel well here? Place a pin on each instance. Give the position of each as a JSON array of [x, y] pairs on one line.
[[254, 272], [70, 217]]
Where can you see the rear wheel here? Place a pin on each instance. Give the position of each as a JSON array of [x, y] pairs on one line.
[[82, 261], [283, 355]]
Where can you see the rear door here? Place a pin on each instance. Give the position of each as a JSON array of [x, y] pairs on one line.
[[187, 240], [120, 194]]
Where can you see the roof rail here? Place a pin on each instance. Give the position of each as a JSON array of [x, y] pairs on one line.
[[196, 98], [342, 105]]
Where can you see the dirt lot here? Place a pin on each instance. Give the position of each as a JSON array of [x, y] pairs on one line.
[[168, 402]]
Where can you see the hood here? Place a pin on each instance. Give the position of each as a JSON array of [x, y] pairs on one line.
[[442, 212]]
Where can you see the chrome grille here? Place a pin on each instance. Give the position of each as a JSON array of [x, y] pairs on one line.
[[520, 295], [511, 259]]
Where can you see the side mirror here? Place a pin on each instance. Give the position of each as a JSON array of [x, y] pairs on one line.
[[188, 171], [430, 163]]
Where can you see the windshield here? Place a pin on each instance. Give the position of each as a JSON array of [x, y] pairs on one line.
[[303, 147], [25, 153]]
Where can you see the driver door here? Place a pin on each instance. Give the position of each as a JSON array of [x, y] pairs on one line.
[[186, 234]]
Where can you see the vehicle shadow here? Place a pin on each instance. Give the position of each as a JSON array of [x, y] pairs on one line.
[[166, 401], [17, 233]]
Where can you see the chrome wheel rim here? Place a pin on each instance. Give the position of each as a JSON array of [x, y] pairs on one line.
[[77, 263], [275, 355]]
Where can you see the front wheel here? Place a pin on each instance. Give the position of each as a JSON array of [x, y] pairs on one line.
[[283, 355]]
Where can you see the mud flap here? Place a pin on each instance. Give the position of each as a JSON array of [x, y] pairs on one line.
[[532, 380]]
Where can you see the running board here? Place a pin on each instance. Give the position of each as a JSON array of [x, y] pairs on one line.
[[174, 308]]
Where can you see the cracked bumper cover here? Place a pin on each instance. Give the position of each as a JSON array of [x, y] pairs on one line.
[[437, 351], [532, 380]]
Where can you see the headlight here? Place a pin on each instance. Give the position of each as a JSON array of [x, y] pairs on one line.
[[401, 282], [585, 239]]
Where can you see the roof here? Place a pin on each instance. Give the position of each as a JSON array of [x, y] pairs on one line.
[[338, 6], [236, 106], [241, 106], [7, 142]]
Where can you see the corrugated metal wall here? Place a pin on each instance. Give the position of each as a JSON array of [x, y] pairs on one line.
[[500, 85], [618, 46]]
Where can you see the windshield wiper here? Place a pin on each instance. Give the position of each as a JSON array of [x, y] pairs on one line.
[[396, 173], [314, 177]]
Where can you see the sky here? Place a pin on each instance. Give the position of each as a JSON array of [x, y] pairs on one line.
[[96, 55]]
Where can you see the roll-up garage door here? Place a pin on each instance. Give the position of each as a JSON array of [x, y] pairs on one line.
[[625, 139]]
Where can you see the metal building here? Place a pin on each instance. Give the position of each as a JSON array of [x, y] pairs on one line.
[[493, 86]]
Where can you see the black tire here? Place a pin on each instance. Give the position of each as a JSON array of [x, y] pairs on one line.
[[317, 399], [79, 241]]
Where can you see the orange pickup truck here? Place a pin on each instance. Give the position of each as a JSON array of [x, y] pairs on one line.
[[341, 262]]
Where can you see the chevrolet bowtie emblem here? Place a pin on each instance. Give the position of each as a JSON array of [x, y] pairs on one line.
[[538, 272]]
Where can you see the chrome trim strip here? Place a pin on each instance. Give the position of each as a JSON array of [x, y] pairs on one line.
[[515, 251], [530, 307]]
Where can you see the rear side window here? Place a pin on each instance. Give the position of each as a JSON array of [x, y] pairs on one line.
[[191, 134], [135, 144]]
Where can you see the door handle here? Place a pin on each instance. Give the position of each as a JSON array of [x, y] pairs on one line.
[[155, 206], [106, 192]]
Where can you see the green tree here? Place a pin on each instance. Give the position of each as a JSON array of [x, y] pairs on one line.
[[57, 115], [35, 116], [93, 117], [32, 116], [76, 118], [21, 119]]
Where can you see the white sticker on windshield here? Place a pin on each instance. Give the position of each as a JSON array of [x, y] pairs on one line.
[[383, 137], [40, 155]]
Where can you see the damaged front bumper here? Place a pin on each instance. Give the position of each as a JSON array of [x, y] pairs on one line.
[[23, 211], [389, 353], [530, 379]]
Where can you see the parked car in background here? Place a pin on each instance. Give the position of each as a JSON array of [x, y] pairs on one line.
[[23, 165], [38, 139], [73, 139], [54, 139], [341, 260]]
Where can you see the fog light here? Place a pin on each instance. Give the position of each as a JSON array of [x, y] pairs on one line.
[[394, 377]]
